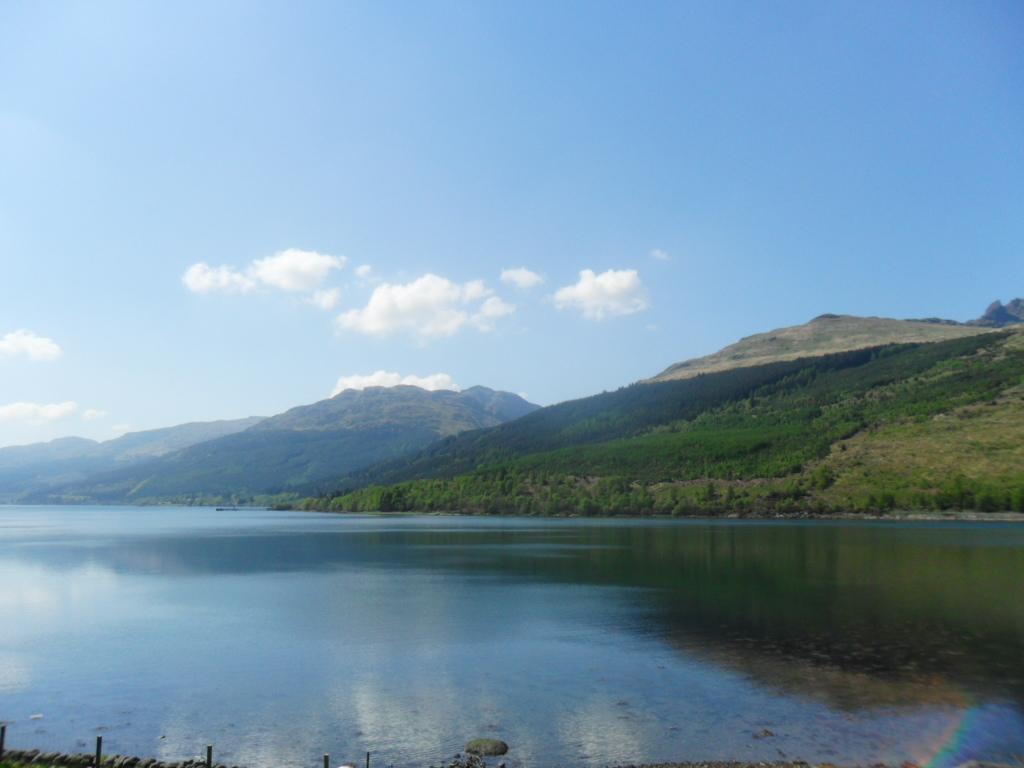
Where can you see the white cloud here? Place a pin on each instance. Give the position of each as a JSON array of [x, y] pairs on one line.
[[31, 345], [92, 414], [292, 270], [363, 271], [36, 413], [295, 270], [660, 255], [326, 299], [493, 308], [202, 278], [521, 277], [427, 307], [121, 429], [391, 379], [614, 292], [475, 290]]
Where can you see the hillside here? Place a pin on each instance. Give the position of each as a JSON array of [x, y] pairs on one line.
[[27, 469], [920, 425], [823, 335], [301, 448]]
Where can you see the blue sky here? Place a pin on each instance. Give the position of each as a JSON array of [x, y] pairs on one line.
[[719, 168]]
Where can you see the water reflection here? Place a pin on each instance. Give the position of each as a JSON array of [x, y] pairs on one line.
[[278, 635]]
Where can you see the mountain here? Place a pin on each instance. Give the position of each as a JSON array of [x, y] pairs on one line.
[[921, 425], [444, 412], [825, 334], [999, 315], [296, 450], [56, 450], [27, 469]]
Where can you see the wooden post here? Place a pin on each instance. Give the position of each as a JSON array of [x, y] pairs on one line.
[[3, 738], [367, 760], [327, 760], [99, 750], [209, 756]]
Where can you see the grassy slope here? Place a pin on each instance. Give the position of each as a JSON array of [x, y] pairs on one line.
[[909, 462], [907, 426], [909, 458], [824, 335]]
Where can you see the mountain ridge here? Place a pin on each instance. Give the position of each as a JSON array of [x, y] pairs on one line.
[[295, 450], [370, 407], [37, 466], [999, 315], [825, 334], [828, 333]]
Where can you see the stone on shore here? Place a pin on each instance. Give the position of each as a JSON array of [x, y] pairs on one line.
[[486, 747]]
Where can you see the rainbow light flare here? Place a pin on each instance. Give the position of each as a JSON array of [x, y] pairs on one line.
[[981, 732]]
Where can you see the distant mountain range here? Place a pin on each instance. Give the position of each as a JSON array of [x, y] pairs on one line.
[[292, 452], [841, 412], [36, 467]]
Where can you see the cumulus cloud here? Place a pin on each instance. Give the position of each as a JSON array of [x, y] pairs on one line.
[[391, 379], [30, 345], [363, 271], [492, 308], [93, 414], [613, 292], [429, 306], [660, 255], [521, 277], [295, 270], [36, 413], [326, 299], [292, 270]]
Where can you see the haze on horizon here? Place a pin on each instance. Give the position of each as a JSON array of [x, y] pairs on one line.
[[212, 212]]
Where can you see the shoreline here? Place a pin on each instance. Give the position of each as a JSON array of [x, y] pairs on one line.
[[45, 759], [902, 517], [16, 758], [894, 516]]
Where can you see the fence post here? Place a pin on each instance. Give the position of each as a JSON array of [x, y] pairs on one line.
[[99, 750], [3, 738], [209, 756], [327, 760], [367, 760]]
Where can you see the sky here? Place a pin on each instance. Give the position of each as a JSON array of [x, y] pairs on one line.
[[216, 210]]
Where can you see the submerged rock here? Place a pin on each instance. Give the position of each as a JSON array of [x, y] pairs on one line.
[[487, 747]]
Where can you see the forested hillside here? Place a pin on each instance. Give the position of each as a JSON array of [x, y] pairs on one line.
[[785, 437]]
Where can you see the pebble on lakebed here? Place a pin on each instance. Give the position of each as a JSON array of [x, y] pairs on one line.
[[486, 747]]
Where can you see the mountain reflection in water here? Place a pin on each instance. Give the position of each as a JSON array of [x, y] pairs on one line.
[[886, 622]]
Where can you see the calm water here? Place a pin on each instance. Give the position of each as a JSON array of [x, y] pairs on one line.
[[278, 636]]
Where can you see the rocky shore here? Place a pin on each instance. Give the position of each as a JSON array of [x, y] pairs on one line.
[[26, 757]]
